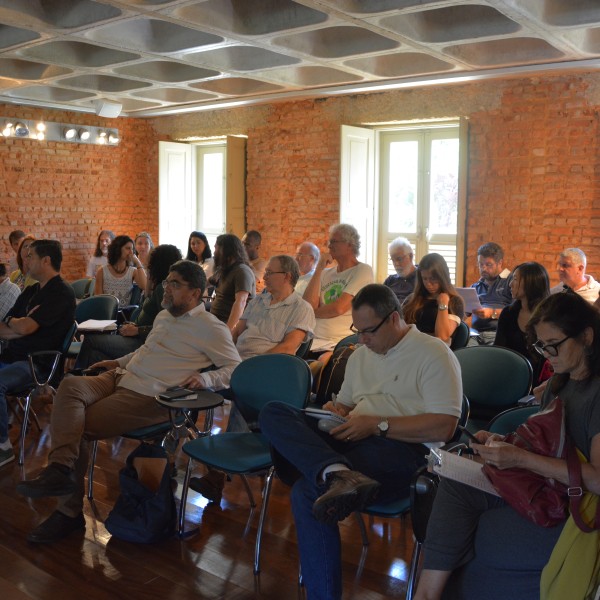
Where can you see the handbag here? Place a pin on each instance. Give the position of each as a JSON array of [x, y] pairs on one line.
[[537, 498], [145, 510]]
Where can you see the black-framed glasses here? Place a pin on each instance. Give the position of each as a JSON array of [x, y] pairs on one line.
[[371, 330], [549, 349], [176, 285], [269, 273]]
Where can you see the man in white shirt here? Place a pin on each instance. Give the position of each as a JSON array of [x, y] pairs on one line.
[[337, 278], [307, 257], [184, 341], [571, 272]]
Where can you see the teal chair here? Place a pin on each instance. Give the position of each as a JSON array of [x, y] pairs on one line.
[[493, 379], [255, 382], [509, 420], [83, 288], [460, 337]]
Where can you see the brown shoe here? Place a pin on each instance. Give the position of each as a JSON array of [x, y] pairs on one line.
[[347, 491], [210, 486]]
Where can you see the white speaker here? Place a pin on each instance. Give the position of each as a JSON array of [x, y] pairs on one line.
[[105, 108]]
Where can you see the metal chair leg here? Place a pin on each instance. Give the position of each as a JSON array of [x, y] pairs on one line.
[[184, 495], [24, 423], [363, 530], [261, 519], [248, 491], [93, 453], [414, 567]]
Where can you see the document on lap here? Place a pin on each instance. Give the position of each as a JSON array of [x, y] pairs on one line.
[[318, 413], [97, 325]]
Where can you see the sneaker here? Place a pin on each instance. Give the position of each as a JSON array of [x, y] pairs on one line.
[[210, 486], [347, 491], [6, 456], [56, 527], [54, 480]]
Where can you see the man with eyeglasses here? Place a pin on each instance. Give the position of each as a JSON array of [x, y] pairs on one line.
[[307, 257], [401, 395], [402, 283], [185, 343], [337, 278], [39, 320]]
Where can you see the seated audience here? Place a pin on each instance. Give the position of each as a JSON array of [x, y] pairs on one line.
[[493, 291], [122, 271], [184, 342], [567, 329], [529, 285], [338, 277], [14, 239], [402, 283], [307, 257], [234, 280], [434, 307], [401, 392], [199, 251], [21, 277], [9, 292], [571, 272], [105, 237], [39, 320], [143, 246], [252, 240], [130, 336]]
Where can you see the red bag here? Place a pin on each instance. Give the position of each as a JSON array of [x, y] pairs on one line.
[[541, 500]]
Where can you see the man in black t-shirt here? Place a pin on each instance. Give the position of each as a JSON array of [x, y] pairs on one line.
[[39, 320]]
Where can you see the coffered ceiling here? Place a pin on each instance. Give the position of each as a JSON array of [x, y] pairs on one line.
[[160, 56]]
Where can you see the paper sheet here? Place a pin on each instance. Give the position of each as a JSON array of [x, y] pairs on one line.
[[465, 470]]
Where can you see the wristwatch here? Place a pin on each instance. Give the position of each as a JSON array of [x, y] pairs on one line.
[[383, 427], [442, 307], [495, 314]]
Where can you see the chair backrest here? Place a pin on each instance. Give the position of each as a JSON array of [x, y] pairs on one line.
[[493, 378], [304, 347], [347, 341], [68, 338], [462, 420], [266, 378], [460, 337], [81, 287], [510, 419], [101, 307], [136, 295]]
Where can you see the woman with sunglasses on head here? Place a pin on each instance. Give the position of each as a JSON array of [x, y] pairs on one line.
[[434, 307], [511, 551], [143, 247], [529, 286]]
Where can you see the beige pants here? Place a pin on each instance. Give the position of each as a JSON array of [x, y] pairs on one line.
[[93, 408]]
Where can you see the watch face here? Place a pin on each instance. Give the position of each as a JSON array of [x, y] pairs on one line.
[[383, 426]]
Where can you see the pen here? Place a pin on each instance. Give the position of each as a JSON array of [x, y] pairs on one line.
[[333, 398]]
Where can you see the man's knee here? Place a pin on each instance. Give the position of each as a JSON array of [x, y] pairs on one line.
[[271, 413]]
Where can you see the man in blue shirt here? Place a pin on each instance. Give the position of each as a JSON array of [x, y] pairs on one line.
[[402, 283], [493, 290]]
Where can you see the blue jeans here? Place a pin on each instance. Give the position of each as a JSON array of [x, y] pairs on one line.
[[296, 437], [13, 377]]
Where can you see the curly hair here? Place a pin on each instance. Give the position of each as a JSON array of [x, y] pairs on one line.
[[114, 250], [160, 261]]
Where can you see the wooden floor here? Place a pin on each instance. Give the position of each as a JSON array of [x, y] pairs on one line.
[[216, 562]]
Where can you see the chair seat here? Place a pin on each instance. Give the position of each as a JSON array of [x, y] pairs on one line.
[[231, 452], [152, 431], [395, 508]]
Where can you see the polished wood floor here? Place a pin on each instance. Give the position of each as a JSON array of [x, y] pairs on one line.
[[216, 562]]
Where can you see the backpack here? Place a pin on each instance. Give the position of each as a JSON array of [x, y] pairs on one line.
[[332, 375], [145, 510]]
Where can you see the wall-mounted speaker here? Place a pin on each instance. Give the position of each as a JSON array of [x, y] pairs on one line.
[[105, 108]]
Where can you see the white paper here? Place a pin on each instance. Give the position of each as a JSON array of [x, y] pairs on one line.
[[465, 470], [324, 414], [97, 325], [470, 298]]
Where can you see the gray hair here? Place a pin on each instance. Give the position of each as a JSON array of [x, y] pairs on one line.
[[314, 250], [576, 255], [289, 265], [400, 242], [349, 235]]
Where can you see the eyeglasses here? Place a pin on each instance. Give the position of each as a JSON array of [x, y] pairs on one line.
[[301, 255], [549, 349], [174, 284], [371, 330], [269, 273], [332, 242], [400, 258]]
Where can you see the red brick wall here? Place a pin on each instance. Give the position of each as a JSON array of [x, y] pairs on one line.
[[71, 191]]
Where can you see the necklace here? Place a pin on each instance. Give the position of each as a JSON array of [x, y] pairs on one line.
[[121, 271]]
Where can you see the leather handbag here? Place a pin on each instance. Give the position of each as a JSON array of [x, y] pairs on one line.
[[537, 498]]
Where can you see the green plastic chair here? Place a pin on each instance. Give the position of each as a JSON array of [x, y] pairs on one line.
[[460, 337], [509, 420], [82, 288]]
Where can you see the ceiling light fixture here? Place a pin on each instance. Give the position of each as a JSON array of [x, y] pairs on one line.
[[21, 130], [102, 137], [7, 129], [69, 133], [113, 137], [84, 134]]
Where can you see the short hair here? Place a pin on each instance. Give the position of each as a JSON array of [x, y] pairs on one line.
[[379, 297], [491, 250], [110, 234], [114, 250], [2, 269], [206, 253], [288, 265], [50, 248], [15, 235], [191, 272], [160, 260], [19, 259], [349, 235], [254, 235], [400, 242], [576, 255]]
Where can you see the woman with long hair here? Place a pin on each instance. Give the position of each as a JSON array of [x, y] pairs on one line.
[[122, 271], [434, 307], [512, 551], [143, 246], [529, 285], [199, 251], [21, 276], [105, 237]]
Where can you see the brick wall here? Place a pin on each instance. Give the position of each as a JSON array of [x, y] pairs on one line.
[[72, 191]]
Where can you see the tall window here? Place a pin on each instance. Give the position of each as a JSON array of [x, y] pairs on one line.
[[210, 185]]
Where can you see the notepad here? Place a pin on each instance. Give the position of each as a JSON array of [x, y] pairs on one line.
[[97, 325], [459, 468], [318, 413]]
